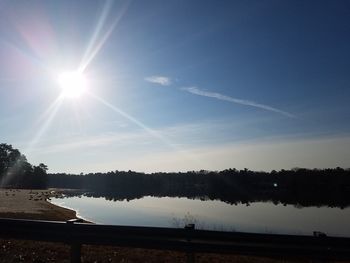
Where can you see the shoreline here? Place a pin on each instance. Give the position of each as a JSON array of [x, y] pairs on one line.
[[77, 215]]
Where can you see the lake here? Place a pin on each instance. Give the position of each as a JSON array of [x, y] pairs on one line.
[[259, 217]]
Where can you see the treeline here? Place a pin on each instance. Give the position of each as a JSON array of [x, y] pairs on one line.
[[17, 172], [300, 187]]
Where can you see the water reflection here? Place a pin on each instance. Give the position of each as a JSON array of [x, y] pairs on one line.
[[262, 217]]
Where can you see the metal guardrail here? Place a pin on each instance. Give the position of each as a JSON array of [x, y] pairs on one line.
[[187, 240]]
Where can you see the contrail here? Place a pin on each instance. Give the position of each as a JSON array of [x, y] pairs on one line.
[[196, 91]]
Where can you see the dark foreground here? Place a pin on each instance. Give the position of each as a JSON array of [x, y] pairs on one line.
[[188, 244], [40, 252]]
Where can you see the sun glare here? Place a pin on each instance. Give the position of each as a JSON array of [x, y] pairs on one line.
[[73, 84]]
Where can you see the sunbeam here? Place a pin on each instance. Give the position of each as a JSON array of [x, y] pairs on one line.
[[50, 113], [94, 47], [152, 132], [97, 30], [132, 119], [5, 177], [49, 110]]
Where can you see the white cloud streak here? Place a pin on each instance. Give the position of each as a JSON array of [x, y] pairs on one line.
[[160, 80], [196, 91]]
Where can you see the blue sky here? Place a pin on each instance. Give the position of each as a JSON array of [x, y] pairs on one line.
[[177, 85]]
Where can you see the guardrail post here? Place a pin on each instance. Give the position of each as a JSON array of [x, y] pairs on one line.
[[190, 254], [75, 253], [75, 247]]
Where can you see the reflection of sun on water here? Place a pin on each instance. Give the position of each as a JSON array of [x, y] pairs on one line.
[[72, 83]]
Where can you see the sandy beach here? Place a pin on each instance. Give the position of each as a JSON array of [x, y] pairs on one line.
[[32, 204]]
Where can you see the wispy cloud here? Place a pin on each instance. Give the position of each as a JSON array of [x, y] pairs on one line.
[[160, 80], [196, 91]]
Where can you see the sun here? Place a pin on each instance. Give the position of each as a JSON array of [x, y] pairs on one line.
[[72, 83]]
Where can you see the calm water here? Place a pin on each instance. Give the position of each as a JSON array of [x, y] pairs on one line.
[[216, 215]]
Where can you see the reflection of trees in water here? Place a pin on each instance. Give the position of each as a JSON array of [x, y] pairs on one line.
[[298, 187]]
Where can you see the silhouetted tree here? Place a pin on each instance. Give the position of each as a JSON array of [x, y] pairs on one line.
[[16, 171]]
